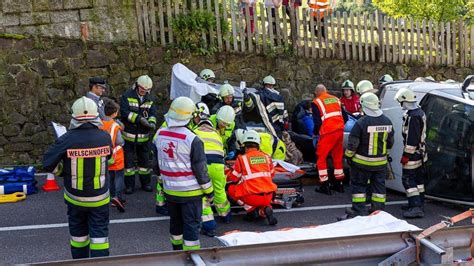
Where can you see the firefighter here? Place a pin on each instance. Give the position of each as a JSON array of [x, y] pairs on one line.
[[182, 164], [350, 100], [201, 113], [384, 79], [214, 149], [223, 122], [138, 112], [97, 87], [266, 107], [369, 142], [252, 175], [226, 94], [207, 75], [414, 155], [271, 145], [83, 153], [365, 86], [328, 136]]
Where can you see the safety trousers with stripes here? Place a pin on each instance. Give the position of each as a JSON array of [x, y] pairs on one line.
[[361, 179], [414, 183], [185, 224], [142, 153], [88, 227]]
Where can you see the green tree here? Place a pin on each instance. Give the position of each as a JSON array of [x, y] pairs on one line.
[[438, 10]]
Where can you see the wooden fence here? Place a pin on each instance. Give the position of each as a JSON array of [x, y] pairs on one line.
[[349, 36]]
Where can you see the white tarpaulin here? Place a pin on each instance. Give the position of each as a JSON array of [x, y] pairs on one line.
[[381, 222], [185, 82]]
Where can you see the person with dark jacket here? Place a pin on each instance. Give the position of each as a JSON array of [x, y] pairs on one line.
[[138, 114], [84, 152], [301, 119], [367, 153]]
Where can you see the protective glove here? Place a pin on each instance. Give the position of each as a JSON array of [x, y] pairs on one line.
[[404, 160], [144, 122], [152, 126], [231, 155], [315, 141]]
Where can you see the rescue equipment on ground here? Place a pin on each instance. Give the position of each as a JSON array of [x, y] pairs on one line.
[[18, 179], [15, 197]]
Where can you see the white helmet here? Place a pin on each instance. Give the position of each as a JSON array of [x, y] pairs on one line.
[[202, 110], [348, 85], [365, 86], [370, 100], [226, 114], [84, 109], [226, 90], [207, 74], [239, 135], [251, 136], [385, 78], [145, 81], [269, 80], [405, 95], [181, 109]]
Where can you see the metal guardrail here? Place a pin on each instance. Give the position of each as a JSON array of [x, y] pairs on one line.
[[378, 249]]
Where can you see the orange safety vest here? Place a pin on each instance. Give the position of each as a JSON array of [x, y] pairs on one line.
[[254, 173], [113, 128], [322, 6], [329, 108]]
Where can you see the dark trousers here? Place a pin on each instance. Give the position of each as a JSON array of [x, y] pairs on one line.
[[316, 28], [89, 231], [143, 156], [185, 224], [359, 184], [414, 183]]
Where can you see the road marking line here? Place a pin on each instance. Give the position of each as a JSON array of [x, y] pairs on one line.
[[152, 219]]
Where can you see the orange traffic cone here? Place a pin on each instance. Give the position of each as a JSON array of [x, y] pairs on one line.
[[50, 184]]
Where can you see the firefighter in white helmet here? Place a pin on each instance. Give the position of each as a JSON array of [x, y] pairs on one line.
[[350, 100], [224, 122], [367, 153], [87, 195], [414, 153], [181, 162], [385, 78], [138, 114], [365, 86], [252, 176], [226, 97], [267, 100], [207, 75]]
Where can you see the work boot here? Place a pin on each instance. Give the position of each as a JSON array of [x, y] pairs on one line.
[[227, 219], [147, 188], [129, 190], [414, 212], [270, 218], [324, 188], [162, 210], [406, 207], [350, 213], [251, 216], [209, 228], [117, 203], [338, 186]]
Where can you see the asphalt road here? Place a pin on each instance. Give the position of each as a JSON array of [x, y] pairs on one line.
[[35, 230]]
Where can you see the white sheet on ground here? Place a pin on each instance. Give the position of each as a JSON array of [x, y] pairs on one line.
[[288, 166], [361, 225]]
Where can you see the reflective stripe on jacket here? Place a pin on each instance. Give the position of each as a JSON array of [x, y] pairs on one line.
[[174, 158], [330, 111], [213, 146], [253, 173]]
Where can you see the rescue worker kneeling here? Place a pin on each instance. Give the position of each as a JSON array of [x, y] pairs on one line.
[[252, 176], [367, 151]]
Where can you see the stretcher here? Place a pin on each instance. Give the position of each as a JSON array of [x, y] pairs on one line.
[[15, 197], [289, 186]]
